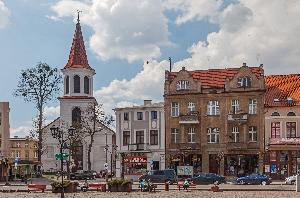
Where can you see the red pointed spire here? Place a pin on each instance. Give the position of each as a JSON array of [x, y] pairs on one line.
[[78, 57]]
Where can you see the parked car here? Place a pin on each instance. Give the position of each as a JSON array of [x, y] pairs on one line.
[[82, 175], [254, 179], [160, 176], [207, 178], [291, 180]]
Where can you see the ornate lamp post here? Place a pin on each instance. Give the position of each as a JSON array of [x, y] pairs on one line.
[[58, 134]]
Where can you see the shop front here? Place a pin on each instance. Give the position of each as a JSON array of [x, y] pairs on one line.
[[240, 165], [191, 160], [134, 165]]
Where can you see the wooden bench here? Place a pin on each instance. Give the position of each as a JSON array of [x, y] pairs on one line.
[[180, 185], [36, 187], [98, 186]]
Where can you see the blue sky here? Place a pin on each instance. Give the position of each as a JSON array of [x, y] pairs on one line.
[[198, 34]]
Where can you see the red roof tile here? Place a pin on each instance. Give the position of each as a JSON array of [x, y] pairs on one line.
[[280, 87]]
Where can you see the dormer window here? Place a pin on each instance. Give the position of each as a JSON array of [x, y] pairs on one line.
[[183, 84], [275, 114], [244, 82], [291, 113]]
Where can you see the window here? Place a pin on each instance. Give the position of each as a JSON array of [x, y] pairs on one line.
[[154, 115], [126, 116], [76, 116], [26, 154], [26, 145], [213, 108], [154, 137], [191, 135], [252, 106], [67, 84], [86, 85], [139, 115], [18, 145], [174, 109], [12, 154], [291, 113], [183, 84], [213, 135], [235, 106], [252, 134], [291, 129], [275, 114], [50, 151], [17, 154], [126, 138], [35, 154], [191, 107], [139, 137], [235, 134], [174, 135], [275, 130], [244, 82], [76, 84]]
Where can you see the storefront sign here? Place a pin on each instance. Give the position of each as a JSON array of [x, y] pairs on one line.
[[135, 160], [184, 170], [267, 168]]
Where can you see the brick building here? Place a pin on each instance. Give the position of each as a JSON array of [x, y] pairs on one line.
[[282, 125], [215, 120]]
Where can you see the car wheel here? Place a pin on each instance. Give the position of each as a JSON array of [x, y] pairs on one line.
[[263, 183], [242, 182], [293, 182]]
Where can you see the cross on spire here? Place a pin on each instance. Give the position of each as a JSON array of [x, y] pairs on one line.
[[78, 11]]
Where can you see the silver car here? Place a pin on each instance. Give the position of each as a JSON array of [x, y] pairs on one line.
[[291, 180]]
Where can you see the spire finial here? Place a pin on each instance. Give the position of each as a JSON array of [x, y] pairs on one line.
[[78, 11]]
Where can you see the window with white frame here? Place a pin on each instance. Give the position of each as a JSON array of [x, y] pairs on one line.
[[174, 135], [191, 107], [153, 115], [183, 84], [18, 145], [235, 106], [191, 135], [235, 134], [244, 82], [213, 107], [35, 154], [17, 154], [213, 135], [252, 106], [252, 134], [174, 109]]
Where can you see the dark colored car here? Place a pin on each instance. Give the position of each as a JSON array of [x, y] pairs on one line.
[[207, 178], [160, 176], [82, 175], [254, 179]]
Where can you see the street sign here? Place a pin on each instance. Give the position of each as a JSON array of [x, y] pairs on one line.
[[106, 166], [64, 156]]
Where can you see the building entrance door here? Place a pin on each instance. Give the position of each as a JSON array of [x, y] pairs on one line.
[[213, 164]]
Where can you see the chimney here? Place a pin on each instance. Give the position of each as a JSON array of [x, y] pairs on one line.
[[261, 65], [244, 64], [183, 69], [147, 102]]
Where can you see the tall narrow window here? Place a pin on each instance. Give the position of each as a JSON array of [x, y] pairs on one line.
[[213, 135], [17, 154], [153, 137], [76, 84], [291, 129], [191, 135], [154, 115], [76, 116], [191, 107], [126, 138], [174, 135], [213, 108], [86, 85], [126, 116], [139, 115], [67, 85], [235, 134], [235, 106], [252, 106], [252, 134], [275, 130], [139, 137], [174, 109]]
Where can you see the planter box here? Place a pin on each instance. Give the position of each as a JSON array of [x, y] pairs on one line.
[[72, 188], [119, 188]]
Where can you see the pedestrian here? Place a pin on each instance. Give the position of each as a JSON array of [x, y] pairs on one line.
[[186, 185]]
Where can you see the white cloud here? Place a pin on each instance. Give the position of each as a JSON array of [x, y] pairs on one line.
[[4, 15], [125, 29], [51, 112], [20, 131]]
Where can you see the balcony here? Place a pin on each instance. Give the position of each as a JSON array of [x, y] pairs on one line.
[[189, 118], [237, 117], [138, 147]]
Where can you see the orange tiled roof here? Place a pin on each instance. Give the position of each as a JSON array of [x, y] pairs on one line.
[[215, 78], [280, 87]]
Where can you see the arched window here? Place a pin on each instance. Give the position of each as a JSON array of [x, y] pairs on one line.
[[76, 84], [86, 85], [291, 113], [275, 114], [67, 85], [76, 117]]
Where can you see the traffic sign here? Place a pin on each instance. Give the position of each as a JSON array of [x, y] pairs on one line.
[[106, 166], [60, 156]]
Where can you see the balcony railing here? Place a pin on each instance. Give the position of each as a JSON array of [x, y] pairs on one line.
[[280, 141], [237, 117], [189, 118], [138, 147]]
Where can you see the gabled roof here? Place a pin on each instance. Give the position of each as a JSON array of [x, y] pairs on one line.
[[215, 78], [78, 57], [282, 90]]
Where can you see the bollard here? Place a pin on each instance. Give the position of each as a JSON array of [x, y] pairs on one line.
[[167, 186]]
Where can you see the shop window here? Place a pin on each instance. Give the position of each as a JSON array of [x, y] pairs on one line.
[[126, 138], [252, 106], [153, 137], [275, 130], [252, 134], [213, 108], [213, 135], [174, 135], [291, 129], [174, 109]]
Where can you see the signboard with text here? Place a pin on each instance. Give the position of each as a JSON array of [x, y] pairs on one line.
[[185, 170], [135, 160]]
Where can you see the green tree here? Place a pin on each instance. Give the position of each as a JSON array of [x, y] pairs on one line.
[[39, 85]]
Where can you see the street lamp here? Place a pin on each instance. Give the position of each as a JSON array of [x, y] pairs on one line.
[[59, 135]]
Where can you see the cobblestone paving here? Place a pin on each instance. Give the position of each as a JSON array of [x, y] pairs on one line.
[[170, 194]]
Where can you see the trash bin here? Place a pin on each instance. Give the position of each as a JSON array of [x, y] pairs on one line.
[[167, 186]]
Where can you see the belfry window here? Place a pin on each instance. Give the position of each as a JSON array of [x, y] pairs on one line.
[[67, 85], [76, 84], [86, 85]]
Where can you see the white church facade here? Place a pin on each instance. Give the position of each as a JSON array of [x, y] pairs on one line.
[[77, 97]]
